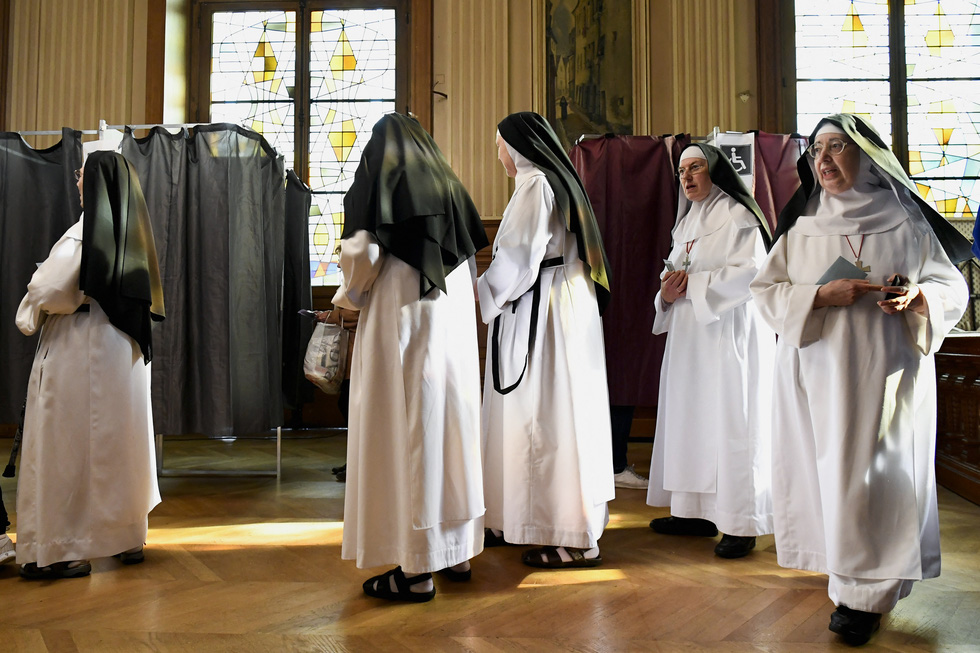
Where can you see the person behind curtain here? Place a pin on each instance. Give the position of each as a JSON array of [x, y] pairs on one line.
[[710, 459], [87, 479], [546, 430], [414, 493], [861, 292]]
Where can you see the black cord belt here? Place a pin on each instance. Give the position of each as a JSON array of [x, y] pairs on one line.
[[532, 331]]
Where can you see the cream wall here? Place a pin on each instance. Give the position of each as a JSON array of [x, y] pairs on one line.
[[73, 63], [691, 60]]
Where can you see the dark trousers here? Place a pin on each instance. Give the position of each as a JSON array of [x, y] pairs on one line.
[[621, 418], [4, 522]]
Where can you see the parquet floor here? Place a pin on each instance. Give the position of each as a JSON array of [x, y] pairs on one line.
[[253, 564]]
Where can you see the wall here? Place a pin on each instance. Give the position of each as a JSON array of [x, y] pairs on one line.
[[691, 60], [73, 63]]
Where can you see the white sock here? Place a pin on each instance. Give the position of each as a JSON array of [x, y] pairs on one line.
[[420, 588], [461, 567]]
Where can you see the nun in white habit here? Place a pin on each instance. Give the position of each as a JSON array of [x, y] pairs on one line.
[[414, 494], [711, 451], [860, 287], [87, 478], [546, 430]]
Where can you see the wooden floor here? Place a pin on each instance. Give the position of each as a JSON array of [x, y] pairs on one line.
[[249, 564]]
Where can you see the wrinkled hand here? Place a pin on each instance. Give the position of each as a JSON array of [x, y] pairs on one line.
[[843, 292], [673, 286], [909, 297]]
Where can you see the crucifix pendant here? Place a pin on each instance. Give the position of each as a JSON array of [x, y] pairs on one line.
[[861, 267], [686, 263]]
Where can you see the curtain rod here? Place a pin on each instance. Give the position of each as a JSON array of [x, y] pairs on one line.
[[53, 132], [103, 127]]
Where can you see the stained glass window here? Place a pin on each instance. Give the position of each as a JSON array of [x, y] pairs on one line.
[[843, 65], [253, 74], [942, 45], [842, 61], [352, 84]]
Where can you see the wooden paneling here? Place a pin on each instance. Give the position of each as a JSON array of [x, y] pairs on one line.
[[958, 428], [156, 41], [481, 60], [4, 51], [693, 60], [76, 63]]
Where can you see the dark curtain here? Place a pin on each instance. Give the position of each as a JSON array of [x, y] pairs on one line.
[[217, 200], [776, 178], [631, 183], [297, 294], [38, 202]]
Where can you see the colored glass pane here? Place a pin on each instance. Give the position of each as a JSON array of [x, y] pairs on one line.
[[326, 225], [352, 56], [943, 57], [253, 73], [942, 39], [253, 56], [817, 99], [337, 137], [839, 39], [352, 84]]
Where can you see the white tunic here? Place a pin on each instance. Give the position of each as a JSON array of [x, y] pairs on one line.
[[712, 444], [547, 445], [414, 494], [854, 419], [87, 477]]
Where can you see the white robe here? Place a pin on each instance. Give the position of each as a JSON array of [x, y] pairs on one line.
[[854, 416], [712, 445], [87, 476], [414, 494], [547, 445]]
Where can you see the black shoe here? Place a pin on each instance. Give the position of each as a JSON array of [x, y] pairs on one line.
[[855, 626], [491, 539], [684, 526], [734, 546]]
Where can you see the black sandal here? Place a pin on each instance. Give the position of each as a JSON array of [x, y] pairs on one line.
[[131, 557], [491, 539], [56, 570], [533, 558], [380, 587], [456, 576]]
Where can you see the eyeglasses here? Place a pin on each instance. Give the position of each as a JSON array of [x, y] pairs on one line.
[[694, 169], [834, 146], [78, 174]]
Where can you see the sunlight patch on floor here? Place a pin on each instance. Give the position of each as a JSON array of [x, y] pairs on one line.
[[570, 577], [254, 535]]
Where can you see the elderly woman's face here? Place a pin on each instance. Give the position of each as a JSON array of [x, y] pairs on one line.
[[695, 179], [505, 157], [836, 173]]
